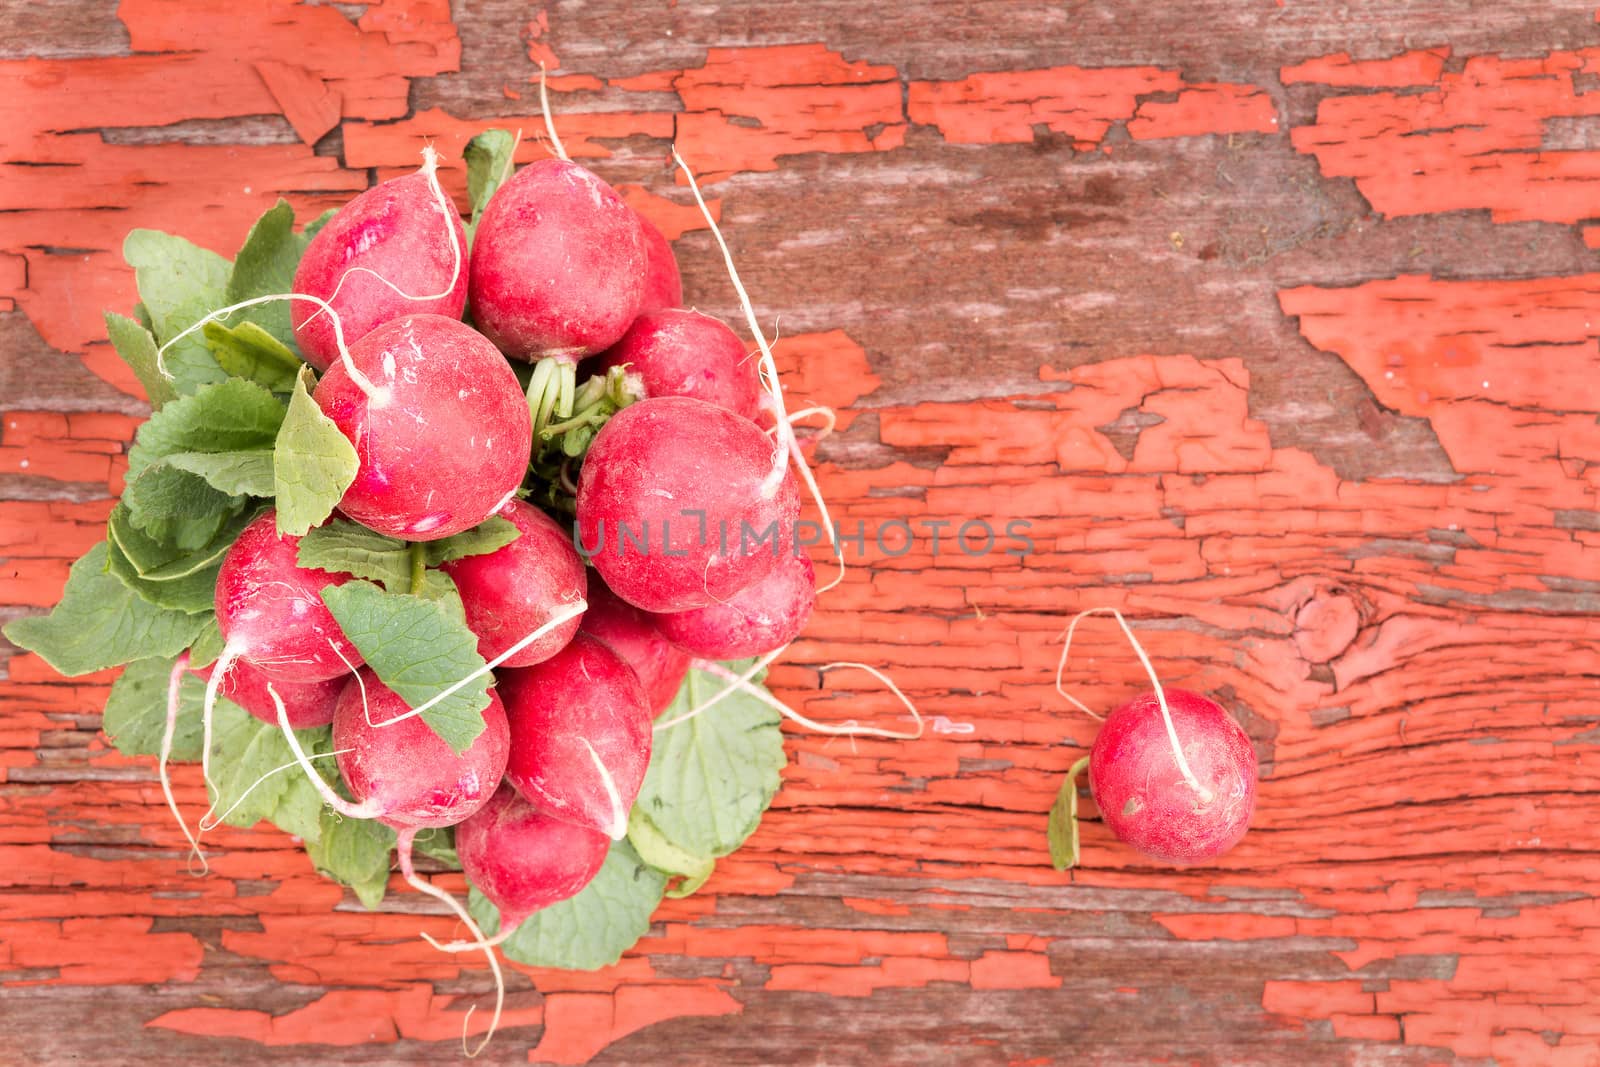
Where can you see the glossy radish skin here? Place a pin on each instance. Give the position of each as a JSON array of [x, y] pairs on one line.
[[308, 704], [633, 635], [270, 609], [1143, 795], [415, 777], [757, 619], [673, 467], [684, 353], [397, 229], [558, 264], [663, 287], [511, 592], [579, 711], [524, 860], [447, 446]]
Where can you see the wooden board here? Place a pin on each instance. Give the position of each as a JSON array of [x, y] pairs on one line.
[[1277, 324]]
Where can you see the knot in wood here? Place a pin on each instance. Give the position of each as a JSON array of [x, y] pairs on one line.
[[1325, 625]]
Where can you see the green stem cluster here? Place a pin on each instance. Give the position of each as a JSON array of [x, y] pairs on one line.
[[551, 392]]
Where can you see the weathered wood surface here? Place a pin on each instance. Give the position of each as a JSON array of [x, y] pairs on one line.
[[1279, 323]]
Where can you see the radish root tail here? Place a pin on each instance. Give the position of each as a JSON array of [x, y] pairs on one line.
[[549, 123], [742, 682], [324, 790], [174, 700]]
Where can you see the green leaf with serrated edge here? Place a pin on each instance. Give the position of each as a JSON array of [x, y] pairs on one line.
[[177, 507], [312, 463], [588, 931], [1062, 829], [490, 535], [345, 547], [418, 648], [230, 416], [179, 284], [253, 770], [265, 267], [208, 646], [248, 351], [489, 163], [137, 347], [236, 473], [195, 594], [136, 710], [100, 623], [654, 848], [354, 852], [438, 843], [710, 778], [157, 561]]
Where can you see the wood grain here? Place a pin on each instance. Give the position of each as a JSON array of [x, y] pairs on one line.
[[1276, 323]]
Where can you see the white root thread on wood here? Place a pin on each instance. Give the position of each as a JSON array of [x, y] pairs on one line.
[[1149, 669], [174, 700], [742, 682], [549, 123], [409, 873]]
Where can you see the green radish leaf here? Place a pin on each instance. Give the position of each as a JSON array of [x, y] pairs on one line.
[[1062, 829], [591, 930], [194, 594], [489, 159], [101, 623], [254, 773], [354, 852], [313, 463], [418, 648], [231, 416], [137, 347], [179, 284], [171, 505], [345, 547], [654, 848], [438, 843], [490, 535], [157, 561], [234, 473], [265, 266], [208, 646], [711, 778], [136, 710], [249, 351]]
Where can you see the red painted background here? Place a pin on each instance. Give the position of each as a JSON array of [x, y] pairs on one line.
[[1278, 323]]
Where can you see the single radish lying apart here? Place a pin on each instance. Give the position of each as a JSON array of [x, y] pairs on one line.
[[524, 860], [308, 704], [751, 622], [397, 249], [444, 444], [633, 635], [1174, 776], [663, 287], [508, 593], [558, 264], [270, 610], [1143, 795], [673, 507], [400, 771], [580, 735], [684, 353]]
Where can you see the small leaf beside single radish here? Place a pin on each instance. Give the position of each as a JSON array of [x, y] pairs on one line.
[[312, 463]]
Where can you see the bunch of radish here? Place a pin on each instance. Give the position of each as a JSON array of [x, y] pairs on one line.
[[452, 509]]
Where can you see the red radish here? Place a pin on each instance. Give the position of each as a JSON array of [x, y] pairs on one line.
[[308, 704], [511, 591], [663, 287], [755, 620], [1173, 774], [632, 634], [684, 353], [270, 610], [403, 773], [580, 735], [1145, 798], [445, 443], [524, 860], [558, 264], [397, 249], [674, 505]]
